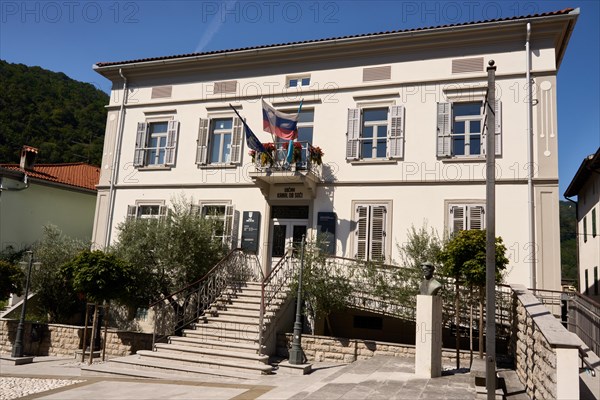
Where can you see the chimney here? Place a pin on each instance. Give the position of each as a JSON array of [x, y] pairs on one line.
[[28, 155]]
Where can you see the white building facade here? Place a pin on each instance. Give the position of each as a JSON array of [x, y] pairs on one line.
[[399, 117], [586, 186]]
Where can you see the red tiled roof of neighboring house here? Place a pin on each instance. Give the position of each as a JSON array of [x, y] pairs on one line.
[[547, 14], [79, 175]]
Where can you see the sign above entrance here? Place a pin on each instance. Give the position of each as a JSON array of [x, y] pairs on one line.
[[292, 192]]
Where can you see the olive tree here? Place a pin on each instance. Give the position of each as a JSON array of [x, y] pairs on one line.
[[11, 280], [464, 258]]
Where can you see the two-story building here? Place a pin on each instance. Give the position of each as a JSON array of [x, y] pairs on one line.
[[586, 186], [399, 117]]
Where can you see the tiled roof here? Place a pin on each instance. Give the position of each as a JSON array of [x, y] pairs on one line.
[[560, 12], [79, 175]]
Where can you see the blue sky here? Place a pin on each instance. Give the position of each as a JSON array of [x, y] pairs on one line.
[[70, 36]]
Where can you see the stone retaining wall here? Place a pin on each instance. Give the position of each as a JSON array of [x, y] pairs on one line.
[[546, 354], [65, 340], [341, 350]]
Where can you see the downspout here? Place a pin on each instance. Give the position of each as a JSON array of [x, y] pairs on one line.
[[115, 165], [530, 191], [576, 242]]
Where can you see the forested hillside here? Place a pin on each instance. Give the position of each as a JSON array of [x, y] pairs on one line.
[[568, 240], [63, 118]]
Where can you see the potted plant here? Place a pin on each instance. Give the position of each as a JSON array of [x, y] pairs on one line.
[[316, 155]]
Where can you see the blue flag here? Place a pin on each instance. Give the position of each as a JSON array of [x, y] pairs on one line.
[[251, 139]]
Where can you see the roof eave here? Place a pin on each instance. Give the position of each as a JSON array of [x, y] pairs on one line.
[[589, 164], [571, 16]]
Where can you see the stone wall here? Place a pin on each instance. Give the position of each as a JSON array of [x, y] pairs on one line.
[[65, 340], [545, 353], [341, 350]]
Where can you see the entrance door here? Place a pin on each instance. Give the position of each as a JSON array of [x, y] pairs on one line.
[[286, 233]]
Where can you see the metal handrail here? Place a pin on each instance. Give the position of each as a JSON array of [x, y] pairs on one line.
[[279, 159], [189, 303], [280, 276]]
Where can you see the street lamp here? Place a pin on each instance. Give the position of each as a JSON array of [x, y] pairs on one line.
[[17, 350], [296, 357]]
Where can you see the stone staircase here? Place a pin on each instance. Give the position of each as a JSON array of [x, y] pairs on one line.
[[223, 342]]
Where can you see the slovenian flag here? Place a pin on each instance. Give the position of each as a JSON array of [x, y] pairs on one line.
[[278, 123]]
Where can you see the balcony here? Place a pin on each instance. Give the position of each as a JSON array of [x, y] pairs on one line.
[[272, 168]]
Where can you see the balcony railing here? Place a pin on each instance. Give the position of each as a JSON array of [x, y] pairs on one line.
[[305, 157]]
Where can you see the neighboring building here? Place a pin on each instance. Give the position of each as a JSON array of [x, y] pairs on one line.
[[399, 116], [586, 186], [34, 195]]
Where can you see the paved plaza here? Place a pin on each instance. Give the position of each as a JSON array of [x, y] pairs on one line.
[[381, 377]]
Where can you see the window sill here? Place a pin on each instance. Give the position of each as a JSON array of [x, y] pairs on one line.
[[155, 168], [217, 166], [374, 161], [462, 159]]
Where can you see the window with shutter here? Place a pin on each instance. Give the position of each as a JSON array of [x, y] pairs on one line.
[[222, 216], [156, 143], [153, 210], [370, 232], [465, 216], [462, 126]]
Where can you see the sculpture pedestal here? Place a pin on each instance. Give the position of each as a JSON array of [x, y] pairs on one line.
[[428, 340]]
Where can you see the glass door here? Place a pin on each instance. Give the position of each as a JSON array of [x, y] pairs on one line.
[[286, 234]]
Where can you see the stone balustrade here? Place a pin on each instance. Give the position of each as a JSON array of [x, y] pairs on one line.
[[546, 354], [65, 340]]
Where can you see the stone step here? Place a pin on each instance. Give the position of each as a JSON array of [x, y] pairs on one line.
[[250, 307], [233, 323], [206, 361], [215, 344], [223, 335], [136, 366], [214, 353], [229, 319], [249, 300]]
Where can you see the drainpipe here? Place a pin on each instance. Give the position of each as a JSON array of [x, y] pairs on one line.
[[576, 241], [115, 165], [530, 191]]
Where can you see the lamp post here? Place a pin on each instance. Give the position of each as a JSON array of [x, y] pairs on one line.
[[296, 350], [17, 350]]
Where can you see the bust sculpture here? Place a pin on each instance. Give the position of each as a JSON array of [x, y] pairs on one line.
[[429, 286]]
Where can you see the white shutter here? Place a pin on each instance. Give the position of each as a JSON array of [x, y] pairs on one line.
[[475, 217], [236, 228], [236, 141], [228, 225], [396, 132], [131, 212], [444, 128], [457, 218], [353, 135], [361, 232], [172, 132], [498, 128], [140, 144], [377, 242], [202, 149]]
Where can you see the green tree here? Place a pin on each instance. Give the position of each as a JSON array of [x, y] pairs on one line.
[[169, 253], [11, 280], [64, 118], [57, 297], [324, 291], [463, 258], [568, 242], [101, 277]]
